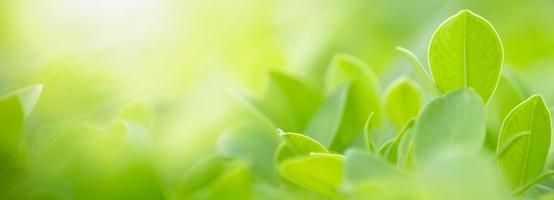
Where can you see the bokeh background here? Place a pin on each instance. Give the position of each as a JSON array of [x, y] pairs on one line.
[[174, 64]]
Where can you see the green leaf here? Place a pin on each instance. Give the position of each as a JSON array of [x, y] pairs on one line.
[[251, 144], [367, 134], [202, 173], [321, 173], [289, 102], [235, 183], [394, 148], [11, 129], [14, 108], [325, 124], [296, 145], [363, 96], [403, 101], [362, 167], [465, 51], [524, 141], [417, 67], [456, 120], [404, 145]]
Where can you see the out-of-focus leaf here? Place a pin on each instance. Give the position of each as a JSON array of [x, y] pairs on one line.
[[235, 183], [459, 175], [456, 120], [321, 173], [289, 101], [11, 127], [138, 111], [202, 173], [363, 96], [325, 125], [14, 108], [524, 141], [296, 145], [363, 167], [253, 145], [403, 101], [506, 96], [465, 51], [417, 67]]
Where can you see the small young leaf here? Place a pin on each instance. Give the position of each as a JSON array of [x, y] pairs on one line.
[[456, 120], [296, 145], [363, 96], [367, 134], [524, 141], [394, 148], [28, 97], [325, 125], [403, 102], [320, 173], [465, 51], [417, 67]]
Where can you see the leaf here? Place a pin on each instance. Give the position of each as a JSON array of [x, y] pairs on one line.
[[363, 96], [394, 148], [253, 145], [465, 51], [289, 102], [321, 173], [361, 167], [524, 141], [417, 67], [403, 101], [403, 145], [296, 145], [11, 129], [28, 97], [233, 184], [506, 96], [367, 134], [14, 108], [456, 120], [202, 173], [325, 124]]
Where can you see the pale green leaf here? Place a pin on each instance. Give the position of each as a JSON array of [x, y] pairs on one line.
[[465, 51], [368, 139], [363, 96], [289, 102], [296, 145], [456, 120], [403, 101], [251, 144], [321, 173], [418, 68], [11, 129], [524, 141], [361, 167], [325, 124]]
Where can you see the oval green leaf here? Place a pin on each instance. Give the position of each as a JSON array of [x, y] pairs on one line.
[[465, 51], [403, 101], [524, 141], [456, 120], [296, 145]]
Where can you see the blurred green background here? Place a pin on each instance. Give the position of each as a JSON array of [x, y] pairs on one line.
[[172, 65]]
